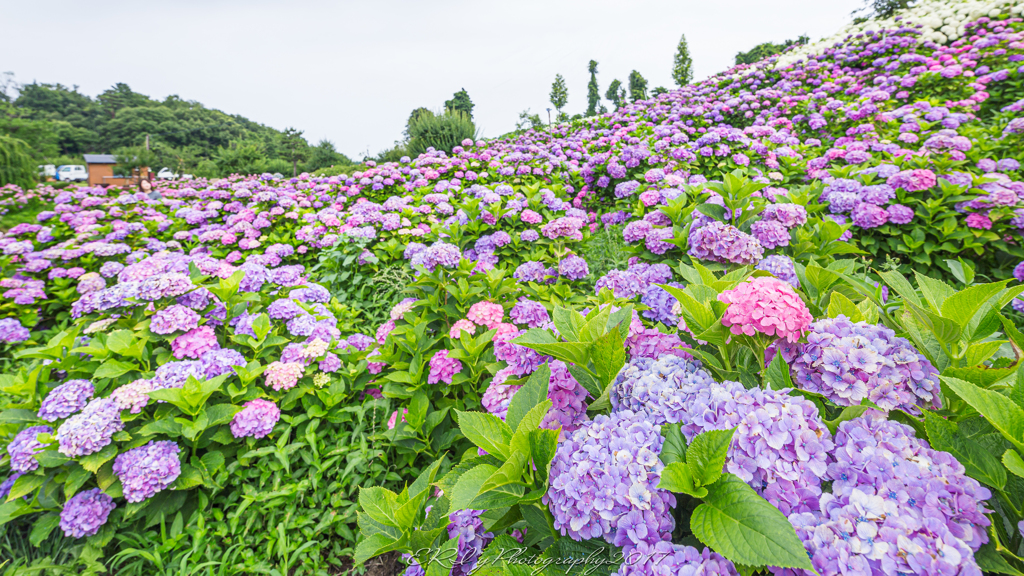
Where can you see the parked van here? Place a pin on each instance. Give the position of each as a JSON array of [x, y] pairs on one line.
[[72, 173]]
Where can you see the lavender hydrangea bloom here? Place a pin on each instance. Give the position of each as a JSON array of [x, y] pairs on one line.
[[91, 429], [520, 359], [24, 447], [622, 283], [573, 267], [133, 396], [85, 512], [174, 318], [469, 529], [660, 303], [148, 469], [528, 312], [610, 451], [12, 331], [848, 362], [568, 400], [220, 361], [720, 242], [781, 267], [256, 419], [770, 233], [66, 399], [284, 309], [896, 507], [659, 389], [533, 271], [667, 558]]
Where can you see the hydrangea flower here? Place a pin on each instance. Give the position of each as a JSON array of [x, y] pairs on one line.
[[590, 466], [283, 375], [676, 559], [148, 469], [486, 314], [528, 312], [174, 318], [467, 526], [91, 429], [443, 368], [257, 419], [568, 400], [766, 305], [133, 396], [85, 512], [720, 242], [24, 447], [781, 267], [12, 331], [66, 399], [194, 343], [573, 267], [848, 362], [896, 507], [659, 389]]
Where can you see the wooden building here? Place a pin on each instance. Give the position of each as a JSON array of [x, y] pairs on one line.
[[101, 171]]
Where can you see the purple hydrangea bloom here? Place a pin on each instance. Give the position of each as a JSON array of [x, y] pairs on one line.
[[91, 429], [659, 389], [568, 400], [528, 312], [848, 362], [660, 303], [85, 512], [220, 361], [469, 529], [174, 318], [720, 242], [66, 399], [610, 451], [520, 359], [781, 267], [133, 396], [24, 447], [12, 331], [573, 267], [533, 271], [284, 309], [148, 469], [770, 233], [790, 215], [257, 419], [622, 283], [676, 559]]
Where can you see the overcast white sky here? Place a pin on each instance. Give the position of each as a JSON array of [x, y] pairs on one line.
[[351, 72]]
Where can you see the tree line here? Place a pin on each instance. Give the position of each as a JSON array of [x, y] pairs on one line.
[[56, 124]]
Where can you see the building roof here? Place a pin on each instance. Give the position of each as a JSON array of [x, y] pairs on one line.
[[99, 159]]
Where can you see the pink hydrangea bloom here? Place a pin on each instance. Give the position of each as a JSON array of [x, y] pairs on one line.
[[766, 305], [194, 343], [384, 330], [442, 368], [979, 221], [283, 375], [461, 325], [486, 314], [531, 217], [394, 418]]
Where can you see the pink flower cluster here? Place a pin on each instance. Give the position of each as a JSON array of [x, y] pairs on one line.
[[766, 305], [443, 368]]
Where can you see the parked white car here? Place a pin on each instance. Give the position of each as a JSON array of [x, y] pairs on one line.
[[72, 173], [168, 174], [47, 171]]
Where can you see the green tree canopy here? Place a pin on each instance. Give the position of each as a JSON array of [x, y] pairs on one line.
[[616, 93], [324, 155], [460, 102], [559, 96], [637, 87], [682, 66]]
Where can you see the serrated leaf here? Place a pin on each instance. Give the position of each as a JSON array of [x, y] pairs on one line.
[[678, 477], [25, 485], [743, 527], [673, 449], [961, 306], [705, 456], [1000, 411], [945, 330], [568, 322], [113, 368], [841, 305], [486, 431], [379, 504], [778, 374], [468, 486], [94, 461], [992, 562], [532, 393], [848, 413], [1013, 462], [979, 463]]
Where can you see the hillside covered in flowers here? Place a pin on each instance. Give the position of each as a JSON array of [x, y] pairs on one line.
[[765, 323]]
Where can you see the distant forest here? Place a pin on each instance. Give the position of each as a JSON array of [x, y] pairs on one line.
[[59, 124]]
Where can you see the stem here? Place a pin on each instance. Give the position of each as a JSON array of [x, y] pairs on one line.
[[725, 358]]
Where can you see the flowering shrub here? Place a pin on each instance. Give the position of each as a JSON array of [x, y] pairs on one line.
[[227, 347]]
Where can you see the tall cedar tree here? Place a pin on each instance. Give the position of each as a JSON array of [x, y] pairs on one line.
[[682, 68], [593, 93], [293, 147]]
